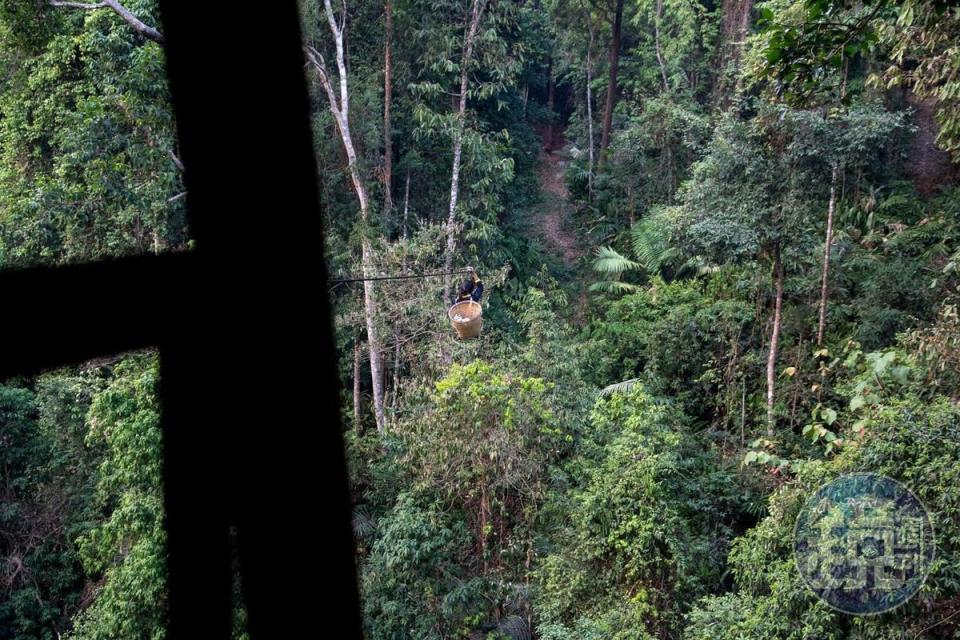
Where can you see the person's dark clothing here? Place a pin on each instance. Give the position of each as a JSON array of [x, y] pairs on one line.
[[471, 289]]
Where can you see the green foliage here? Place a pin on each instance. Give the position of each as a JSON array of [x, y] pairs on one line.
[[484, 433], [413, 582], [608, 262], [81, 504], [897, 434], [457, 540], [639, 533], [807, 47], [128, 548], [651, 334], [922, 47], [22, 453], [86, 133], [590, 463], [653, 241]]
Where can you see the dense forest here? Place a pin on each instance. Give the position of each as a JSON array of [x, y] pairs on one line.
[[720, 243]]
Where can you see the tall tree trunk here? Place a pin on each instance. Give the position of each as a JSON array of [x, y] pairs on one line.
[[774, 338], [614, 60], [387, 99], [373, 337], [736, 20], [590, 114], [831, 208], [471, 33], [340, 108], [656, 40], [356, 381]]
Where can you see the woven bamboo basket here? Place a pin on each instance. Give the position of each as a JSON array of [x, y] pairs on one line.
[[467, 318]]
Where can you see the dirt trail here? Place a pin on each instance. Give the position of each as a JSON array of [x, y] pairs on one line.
[[927, 165], [551, 217]]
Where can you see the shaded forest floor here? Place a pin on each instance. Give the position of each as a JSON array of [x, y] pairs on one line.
[[551, 224], [551, 218]]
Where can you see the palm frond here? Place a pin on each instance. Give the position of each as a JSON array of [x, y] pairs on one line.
[[609, 261], [699, 266], [651, 246], [620, 387], [613, 286], [363, 523]]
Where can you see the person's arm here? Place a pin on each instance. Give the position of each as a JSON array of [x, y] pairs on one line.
[[477, 286], [477, 291]]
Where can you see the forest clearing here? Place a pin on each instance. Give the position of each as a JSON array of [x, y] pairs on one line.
[[631, 301]]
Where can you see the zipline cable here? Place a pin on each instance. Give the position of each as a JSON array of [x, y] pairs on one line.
[[407, 277]]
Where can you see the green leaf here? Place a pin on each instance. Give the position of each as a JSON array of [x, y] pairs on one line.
[[609, 262]]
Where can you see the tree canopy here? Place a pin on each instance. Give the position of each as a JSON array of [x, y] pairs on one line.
[[719, 243]]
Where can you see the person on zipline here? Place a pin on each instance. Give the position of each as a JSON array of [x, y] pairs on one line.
[[470, 289]]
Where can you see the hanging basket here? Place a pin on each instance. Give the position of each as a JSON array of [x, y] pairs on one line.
[[467, 318]]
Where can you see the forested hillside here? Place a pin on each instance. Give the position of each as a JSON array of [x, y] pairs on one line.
[[719, 243]]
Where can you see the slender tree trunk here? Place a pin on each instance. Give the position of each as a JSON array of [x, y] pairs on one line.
[[471, 33], [614, 58], [403, 270], [551, 90], [356, 380], [406, 207], [795, 383], [831, 208], [667, 159], [396, 370], [590, 115], [774, 338], [373, 338], [387, 99], [340, 108], [843, 81], [743, 411], [656, 40]]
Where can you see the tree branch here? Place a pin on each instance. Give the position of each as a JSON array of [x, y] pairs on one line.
[[78, 5], [177, 161], [138, 25], [315, 58]]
